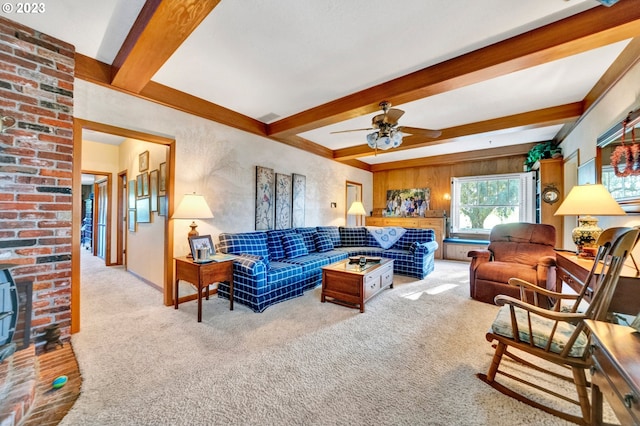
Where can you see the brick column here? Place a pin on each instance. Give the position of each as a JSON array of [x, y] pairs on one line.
[[36, 155]]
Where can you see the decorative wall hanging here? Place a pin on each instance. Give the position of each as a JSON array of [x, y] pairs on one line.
[[283, 201], [264, 198], [629, 153], [299, 188]]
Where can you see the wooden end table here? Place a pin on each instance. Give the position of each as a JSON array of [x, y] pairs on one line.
[[201, 275], [348, 284]]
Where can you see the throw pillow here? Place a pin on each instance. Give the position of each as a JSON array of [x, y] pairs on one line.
[[294, 246], [323, 242]]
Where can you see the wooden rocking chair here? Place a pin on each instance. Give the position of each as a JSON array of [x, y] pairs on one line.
[[557, 336]]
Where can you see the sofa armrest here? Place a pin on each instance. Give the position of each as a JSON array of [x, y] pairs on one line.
[[249, 265], [421, 249], [480, 254], [478, 257]]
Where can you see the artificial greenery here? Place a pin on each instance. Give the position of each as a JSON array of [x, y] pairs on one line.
[[542, 151]]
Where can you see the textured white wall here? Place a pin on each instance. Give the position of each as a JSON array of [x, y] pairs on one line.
[[612, 109], [219, 162]]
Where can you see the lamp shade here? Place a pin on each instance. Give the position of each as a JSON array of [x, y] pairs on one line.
[[357, 209], [589, 200], [192, 206]]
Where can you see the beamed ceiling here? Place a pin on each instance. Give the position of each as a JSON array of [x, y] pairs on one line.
[[496, 76]]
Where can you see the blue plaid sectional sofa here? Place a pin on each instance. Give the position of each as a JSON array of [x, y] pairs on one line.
[[273, 266]]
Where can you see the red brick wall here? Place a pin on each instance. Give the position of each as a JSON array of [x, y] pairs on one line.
[[36, 155]]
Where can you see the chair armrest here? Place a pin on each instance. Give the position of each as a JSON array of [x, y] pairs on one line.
[[517, 282], [502, 300], [547, 261], [480, 254]]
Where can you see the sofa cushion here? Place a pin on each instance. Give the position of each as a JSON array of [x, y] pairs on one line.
[[274, 243], [353, 236], [294, 246], [245, 243], [323, 242], [332, 232], [307, 236]]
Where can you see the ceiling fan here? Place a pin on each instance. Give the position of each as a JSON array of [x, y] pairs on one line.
[[389, 134]]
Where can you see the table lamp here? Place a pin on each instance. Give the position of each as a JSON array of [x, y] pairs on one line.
[[584, 201], [357, 209], [193, 207]]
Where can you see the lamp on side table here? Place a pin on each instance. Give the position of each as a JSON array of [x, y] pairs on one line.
[[193, 207], [584, 201]]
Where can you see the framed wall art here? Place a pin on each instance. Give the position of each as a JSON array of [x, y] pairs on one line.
[[162, 178], [153, 190], [264, 198], [145, 184], [138, 186], [143, 161], [283, 201], [131, 220], [143, 214], [162, 205], [132, 194], [411, 202], [299, 188]]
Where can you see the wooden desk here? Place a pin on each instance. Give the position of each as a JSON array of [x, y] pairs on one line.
[[616, 371], [202, 274], [574, 270]]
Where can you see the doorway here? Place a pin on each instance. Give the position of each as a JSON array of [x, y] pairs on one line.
[[167, 267], [353, 191], [95, 226]]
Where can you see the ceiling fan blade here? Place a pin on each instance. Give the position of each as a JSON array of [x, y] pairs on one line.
[[393, 115], [422, 132], [352, 130]]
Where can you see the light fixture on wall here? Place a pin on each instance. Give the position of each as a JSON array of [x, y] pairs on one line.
[[6, 122], [193, 207], [584, 201]]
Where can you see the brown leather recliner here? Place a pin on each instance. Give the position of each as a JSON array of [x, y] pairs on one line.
[[516, 250]]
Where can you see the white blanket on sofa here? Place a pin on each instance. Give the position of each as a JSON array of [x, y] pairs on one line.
[[386, 236]]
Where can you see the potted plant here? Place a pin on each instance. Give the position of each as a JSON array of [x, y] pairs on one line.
[[542, 151]]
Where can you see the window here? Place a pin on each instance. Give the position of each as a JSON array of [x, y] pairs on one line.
[[621, 187], [478, 203]]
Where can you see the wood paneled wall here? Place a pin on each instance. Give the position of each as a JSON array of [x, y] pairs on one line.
[[438, 178]]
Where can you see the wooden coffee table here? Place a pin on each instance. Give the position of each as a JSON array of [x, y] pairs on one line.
[[350, 285]]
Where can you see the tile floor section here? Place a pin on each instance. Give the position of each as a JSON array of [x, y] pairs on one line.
[[32, 400]]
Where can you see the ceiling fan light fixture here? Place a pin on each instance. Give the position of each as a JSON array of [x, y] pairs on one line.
[[384, 140]]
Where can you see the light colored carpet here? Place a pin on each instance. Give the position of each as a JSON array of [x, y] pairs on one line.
[[410, 359]]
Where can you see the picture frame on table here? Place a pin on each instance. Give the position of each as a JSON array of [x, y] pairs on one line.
[[143, 161], [199, 242]]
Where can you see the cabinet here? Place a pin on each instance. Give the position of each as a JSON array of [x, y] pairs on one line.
[[550, 175], [438, 224], [458, 250]]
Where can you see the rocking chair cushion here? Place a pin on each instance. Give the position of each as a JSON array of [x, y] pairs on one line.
[[542, 328]]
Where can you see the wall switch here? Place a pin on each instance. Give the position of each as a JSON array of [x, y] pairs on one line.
[[334, 205]]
